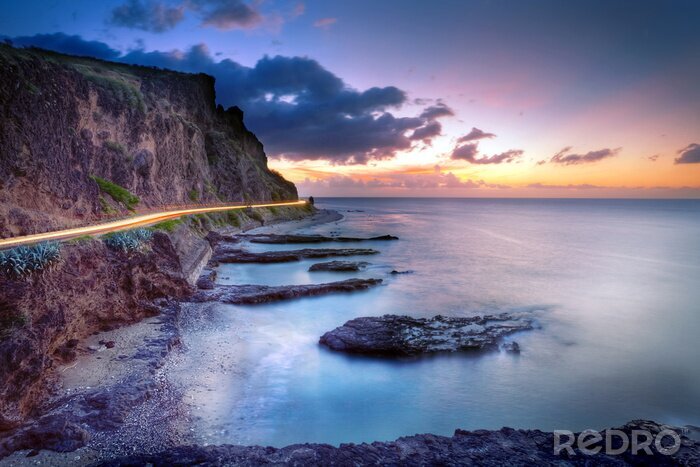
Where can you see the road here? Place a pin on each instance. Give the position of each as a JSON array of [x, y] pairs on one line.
[[130, 223]]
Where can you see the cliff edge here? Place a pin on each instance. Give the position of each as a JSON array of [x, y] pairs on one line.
[[83, 139]]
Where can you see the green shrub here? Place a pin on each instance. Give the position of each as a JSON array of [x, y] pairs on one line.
[[122, 90], [169, 226], [255, 215], [23, 261], [118, 193], [115, 146], [130, 240], [106, 207], [233, 218], [193, 195]]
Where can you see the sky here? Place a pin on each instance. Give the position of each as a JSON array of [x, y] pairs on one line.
[[455, 98]]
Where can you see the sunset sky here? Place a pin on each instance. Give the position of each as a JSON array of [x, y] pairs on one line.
[[426, 98]]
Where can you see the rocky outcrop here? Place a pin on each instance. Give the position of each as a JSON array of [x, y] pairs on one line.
[[70, 421], [339, 266], [156, 133], [192, 250], [277, 239], [92, 289], [392, 335], [256, 294], [482, 447], [234, 254]]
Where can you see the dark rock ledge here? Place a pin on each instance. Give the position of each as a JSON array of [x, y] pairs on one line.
[[481, 447], [339, 266], [392, 335], [284, 239], [255, 294], [237, 255]]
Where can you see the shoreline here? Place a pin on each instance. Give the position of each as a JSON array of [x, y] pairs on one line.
[[161, 430]]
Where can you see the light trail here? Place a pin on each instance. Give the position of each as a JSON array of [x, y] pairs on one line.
[[137, 221]]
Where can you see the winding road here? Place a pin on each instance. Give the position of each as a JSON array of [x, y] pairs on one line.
[[131, 222]]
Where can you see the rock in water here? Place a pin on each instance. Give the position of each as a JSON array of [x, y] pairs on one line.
[[234, 255], [254, 294], [291, 238], [339, 266], [392, 335]]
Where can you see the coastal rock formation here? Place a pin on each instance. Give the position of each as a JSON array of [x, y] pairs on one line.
[[339, 266], [255, 294], [481, 447], [155, 133], [92, 289], [392, 335], [277, 239], [231, 254]]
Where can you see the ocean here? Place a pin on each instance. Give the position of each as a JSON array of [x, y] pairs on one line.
[[613, 285]]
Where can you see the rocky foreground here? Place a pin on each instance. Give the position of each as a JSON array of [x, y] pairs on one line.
[[484, 448], [257, 294], [393, 335]]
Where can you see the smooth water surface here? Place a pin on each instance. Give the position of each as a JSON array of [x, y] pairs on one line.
[[614, 284]]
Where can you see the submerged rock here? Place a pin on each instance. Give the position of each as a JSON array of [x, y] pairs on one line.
[[339, 266], [506, 446], [393, 335], [255, 294], [237, 255], [282, 239]]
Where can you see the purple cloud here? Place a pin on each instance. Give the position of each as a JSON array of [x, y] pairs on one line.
[[574, 159], [437, 111], [689, 155], [468, 152], [475, 135], [427, 132], [147, 15]]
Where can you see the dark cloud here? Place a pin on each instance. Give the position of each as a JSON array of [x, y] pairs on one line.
[[437, 111], [159, 16], [689, 155], [149, 15], [465, 152], [468, 152], [475, 135], [573, 159], [427, 132], [653, 158], [398, 181], [74, 45], [227, 14], [299, 109]]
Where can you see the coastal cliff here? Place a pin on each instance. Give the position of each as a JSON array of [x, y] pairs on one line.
[[83, 139]]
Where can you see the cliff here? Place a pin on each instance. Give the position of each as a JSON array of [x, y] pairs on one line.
[[83, 139]]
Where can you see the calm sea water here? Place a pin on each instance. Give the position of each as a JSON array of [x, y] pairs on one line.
[[614, 285]]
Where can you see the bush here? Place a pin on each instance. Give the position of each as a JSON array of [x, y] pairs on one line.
[[168, 226], [23, 261], [118, 193], [130, 240], [193, 195]]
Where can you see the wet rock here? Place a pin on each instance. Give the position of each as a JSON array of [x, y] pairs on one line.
[[396, 273], [283, 239], [339, 266], [230, 255], [207, 280], [392, 335], [215, 238], [511, 347], [255, 294], [506, 446]]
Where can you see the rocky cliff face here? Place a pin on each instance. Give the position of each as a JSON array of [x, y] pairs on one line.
[[157, 134]]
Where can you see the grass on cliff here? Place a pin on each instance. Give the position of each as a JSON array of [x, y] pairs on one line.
[[118, 193], [115, 146], [167, 226], [119, 87]]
